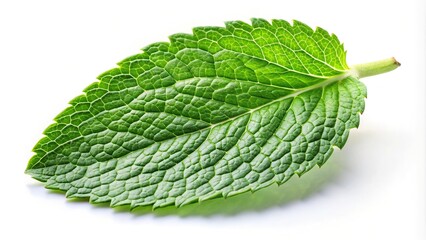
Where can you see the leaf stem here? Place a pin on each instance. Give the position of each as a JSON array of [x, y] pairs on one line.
[[374, 68]]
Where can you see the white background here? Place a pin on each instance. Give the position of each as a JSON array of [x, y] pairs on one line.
[[372, 189]]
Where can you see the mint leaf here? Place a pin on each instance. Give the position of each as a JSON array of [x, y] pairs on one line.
[[216, 113]]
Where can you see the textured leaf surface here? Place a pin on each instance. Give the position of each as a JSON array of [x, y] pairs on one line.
[[216, 113]]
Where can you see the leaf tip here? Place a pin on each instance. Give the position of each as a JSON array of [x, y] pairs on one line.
[[31, 171]]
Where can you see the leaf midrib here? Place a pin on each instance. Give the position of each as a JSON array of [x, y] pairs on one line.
[[322, 84]]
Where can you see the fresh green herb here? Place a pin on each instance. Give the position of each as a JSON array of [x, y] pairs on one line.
[[216, 113]]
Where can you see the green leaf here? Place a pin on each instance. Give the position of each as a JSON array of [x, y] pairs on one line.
[[216, 113]]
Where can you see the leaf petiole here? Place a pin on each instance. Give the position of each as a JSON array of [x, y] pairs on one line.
[[374, 68]]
